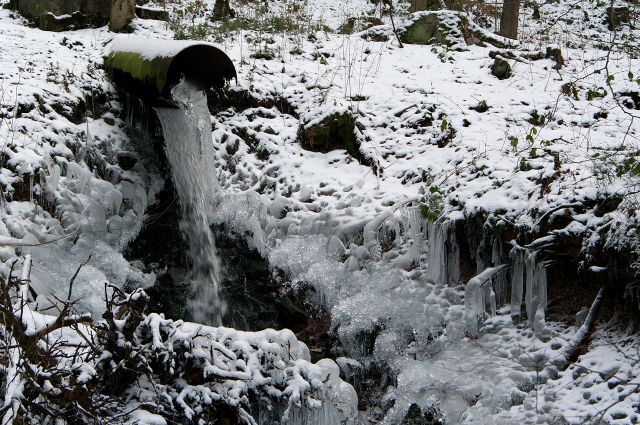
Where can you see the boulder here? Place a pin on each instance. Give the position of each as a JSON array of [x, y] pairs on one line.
[[144, 12], [222, 10], [357, 24], [501, 68], [54, 15], [416, 416], [122, 13], [448, 28], [51, 22], [334, 131]]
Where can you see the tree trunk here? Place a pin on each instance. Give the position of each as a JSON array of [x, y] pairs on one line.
[[509, 19]]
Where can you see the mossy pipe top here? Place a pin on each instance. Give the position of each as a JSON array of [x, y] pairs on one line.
[[150, 68]]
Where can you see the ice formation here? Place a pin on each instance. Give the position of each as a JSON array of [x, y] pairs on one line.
[[528, 278], [479, 296], [189, 149]]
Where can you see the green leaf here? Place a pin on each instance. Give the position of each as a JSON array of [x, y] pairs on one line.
[[630, 75]]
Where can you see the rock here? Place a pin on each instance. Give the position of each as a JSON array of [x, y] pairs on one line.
[[415, 416], [122, 13], [357, 24], [448, 28], [501, 68], [336, 131], [433, 29], [608, 204], [420, 5], [152, 13], [127, 160], [51, 22], [616, 16], [380, 34], [481, 107], [554, 53], [51, 15], [222, 10]]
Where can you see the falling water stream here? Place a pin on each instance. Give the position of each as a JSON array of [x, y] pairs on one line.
[[189, 150]]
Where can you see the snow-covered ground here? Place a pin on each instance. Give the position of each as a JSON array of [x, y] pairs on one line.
[[353, 232]]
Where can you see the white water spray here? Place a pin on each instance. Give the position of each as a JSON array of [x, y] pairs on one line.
[[189, 149]]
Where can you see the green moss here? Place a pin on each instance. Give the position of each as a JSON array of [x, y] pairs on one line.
[[426, 30], [152, 71]]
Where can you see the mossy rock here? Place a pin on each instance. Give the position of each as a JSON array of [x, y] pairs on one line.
[[360, 23], [336, 131], [448, 28], [501, 68], [430, 29]]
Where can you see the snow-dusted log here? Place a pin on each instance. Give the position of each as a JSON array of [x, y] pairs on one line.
[[571, 350]]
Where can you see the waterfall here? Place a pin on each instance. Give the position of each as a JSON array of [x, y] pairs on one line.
[[189, 149]]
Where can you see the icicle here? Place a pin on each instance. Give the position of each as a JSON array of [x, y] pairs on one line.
[[438, 233], [527, 272], [370, 234], [517, 281], [477, 294], [453, 255], [415, 232], [501, 282], [536, 296]]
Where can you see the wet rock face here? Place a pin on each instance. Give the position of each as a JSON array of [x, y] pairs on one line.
[[337, 131]]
